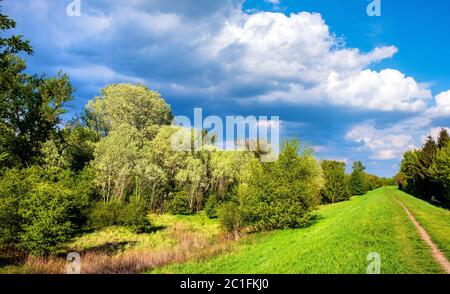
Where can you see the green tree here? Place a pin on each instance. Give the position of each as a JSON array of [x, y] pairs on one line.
[[46, 225], [281, 194], [356, 182], [440, 171], [30, 105], [443, 139], [135, 105], [335, 188]]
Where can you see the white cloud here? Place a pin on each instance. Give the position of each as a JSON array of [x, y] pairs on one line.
[[221, 51], [384, 144], [302, 59], [441, 107], [434, 133], [387, 90]]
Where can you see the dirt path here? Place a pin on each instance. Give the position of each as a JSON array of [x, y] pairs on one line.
[[437, 254]]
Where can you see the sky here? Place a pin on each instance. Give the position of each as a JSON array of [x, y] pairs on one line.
[[353, 87]]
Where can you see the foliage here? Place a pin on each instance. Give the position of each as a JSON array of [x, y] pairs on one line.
[[281, 194], [424, 170], [335, 188], [356, 182], [134, 105], [231, 217], [179, 203], [135, 215], [45, 219], [211, 206], [104, 214]]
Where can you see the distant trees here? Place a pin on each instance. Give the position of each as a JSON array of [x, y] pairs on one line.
[[356, 181], [335, 188], [423, 171]]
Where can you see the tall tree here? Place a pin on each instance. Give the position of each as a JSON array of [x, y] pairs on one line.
[[443, 138], [357, 186], [30, 105], [335, 188]]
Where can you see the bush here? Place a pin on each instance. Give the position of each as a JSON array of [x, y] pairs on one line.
[[179, 204], [335, 188], [230, 217], [12, 189], [211, 206], [46, 225], [277, 195], [135, 215], [105, 214]]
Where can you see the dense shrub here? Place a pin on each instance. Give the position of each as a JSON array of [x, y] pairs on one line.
[[104, 214], [356, 180], [211, 206], [335, 188], [230, 217], [135, 215], [281, 194], [45, 214], [179, 203]]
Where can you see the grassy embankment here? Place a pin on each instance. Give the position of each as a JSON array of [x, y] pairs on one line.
[[340, 240]]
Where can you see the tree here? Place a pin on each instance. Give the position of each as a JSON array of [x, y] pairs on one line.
[[30, 105], [357, 186], [443, 139], [440, 171], [335, 188], [281, 194], [46, 225], [135, 105], [115, 159], [193, 179]]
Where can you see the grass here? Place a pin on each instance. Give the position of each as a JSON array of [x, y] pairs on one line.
[[119, 250], [339, 242], [435, 220]]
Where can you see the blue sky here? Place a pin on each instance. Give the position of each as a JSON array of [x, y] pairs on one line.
[[352, 86]]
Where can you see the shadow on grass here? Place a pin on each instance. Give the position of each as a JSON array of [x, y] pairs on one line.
[[110, 248]]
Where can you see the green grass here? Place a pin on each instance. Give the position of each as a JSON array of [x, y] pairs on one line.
[[435, 220], [164, 235], [339, 242]]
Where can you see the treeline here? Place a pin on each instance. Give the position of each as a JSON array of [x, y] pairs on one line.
[[114, 164], [425, 172]]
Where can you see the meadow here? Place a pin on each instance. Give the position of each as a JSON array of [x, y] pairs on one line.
[[340, 240]]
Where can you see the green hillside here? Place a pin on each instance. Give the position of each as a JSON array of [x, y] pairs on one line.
[[340, 240]]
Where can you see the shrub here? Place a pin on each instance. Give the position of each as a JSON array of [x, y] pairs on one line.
[[281, 194], [335, 188], [46, 226], [135, 215], [179, 204], [211, 206], [105, 214], [231, 217]]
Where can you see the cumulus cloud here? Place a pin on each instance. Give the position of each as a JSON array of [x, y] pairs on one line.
[[441, 107], [384, 144], [216, 50]]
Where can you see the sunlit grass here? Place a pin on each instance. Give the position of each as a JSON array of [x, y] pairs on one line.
[[339, 242]]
